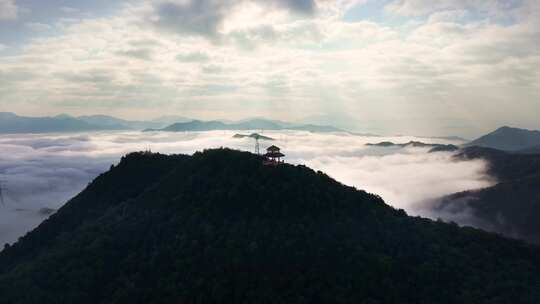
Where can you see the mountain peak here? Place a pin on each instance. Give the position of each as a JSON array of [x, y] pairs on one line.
[[508, 139], [509, 129], [63, 116]]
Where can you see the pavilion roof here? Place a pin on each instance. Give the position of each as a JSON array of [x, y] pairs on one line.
[[272, 148], [274, 154]]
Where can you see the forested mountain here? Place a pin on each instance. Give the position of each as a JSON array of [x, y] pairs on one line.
[[502, 165], [219, 227], [530, 150], [512, 206], [508, 139], [254, 124]]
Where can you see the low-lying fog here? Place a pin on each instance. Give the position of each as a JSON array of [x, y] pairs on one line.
[[41, 172]]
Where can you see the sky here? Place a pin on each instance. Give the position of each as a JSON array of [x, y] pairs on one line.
[[424, 67], [40, 171]]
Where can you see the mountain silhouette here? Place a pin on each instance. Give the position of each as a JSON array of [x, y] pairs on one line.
[[106, 121], [12, 123], [220, 227], [508, 139], [510, 207]]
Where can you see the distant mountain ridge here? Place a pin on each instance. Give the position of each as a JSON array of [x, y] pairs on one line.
[[106, 121], [253, 124], [508, 139], [12, 123], [417, 144]]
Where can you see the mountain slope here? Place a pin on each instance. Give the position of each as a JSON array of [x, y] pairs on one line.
[[502, 165], [512, 206], [219, 227], [508, 139], [530, 150]]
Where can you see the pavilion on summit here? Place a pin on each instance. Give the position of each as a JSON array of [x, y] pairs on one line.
[[273, 156]]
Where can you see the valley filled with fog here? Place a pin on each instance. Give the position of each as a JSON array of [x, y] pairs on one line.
[[39, 173]]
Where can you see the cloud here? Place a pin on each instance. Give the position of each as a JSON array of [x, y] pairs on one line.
[[193, 57], [92, 76], [44, 171], [207, 17], [280, 59], [8, 10], [142, 54], [190, 17], [301, 6], [69, 10], [426, 7], [38, 27]]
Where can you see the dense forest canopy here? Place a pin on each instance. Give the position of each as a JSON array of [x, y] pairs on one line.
[[512, 205], [219, 227]]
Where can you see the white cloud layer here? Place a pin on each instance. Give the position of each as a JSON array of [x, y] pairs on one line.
[[426, 7], [44, 171], [8, 10]]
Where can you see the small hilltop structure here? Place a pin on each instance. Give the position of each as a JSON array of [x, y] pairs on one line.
[[257, 138], [273, 156]]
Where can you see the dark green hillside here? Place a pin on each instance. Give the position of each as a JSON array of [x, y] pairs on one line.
[[218, 227], [512, 206], [503, 165]]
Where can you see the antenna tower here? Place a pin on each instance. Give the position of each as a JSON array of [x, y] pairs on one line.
[[257, 146]]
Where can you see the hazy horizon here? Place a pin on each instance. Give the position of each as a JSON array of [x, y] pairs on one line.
[[181, 119]]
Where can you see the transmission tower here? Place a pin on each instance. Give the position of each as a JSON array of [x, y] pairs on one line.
[[257, 146]]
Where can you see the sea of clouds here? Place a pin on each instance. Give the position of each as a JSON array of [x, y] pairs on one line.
[[41, 172]]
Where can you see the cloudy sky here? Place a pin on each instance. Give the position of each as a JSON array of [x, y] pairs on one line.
[[425, 67]]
